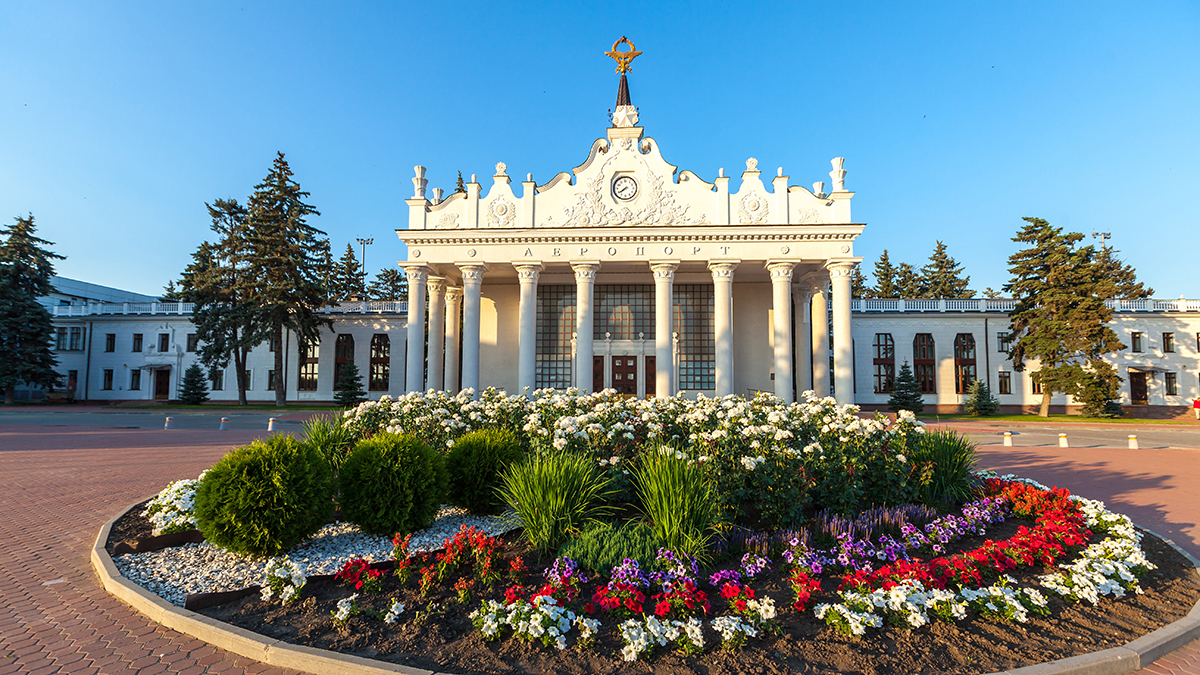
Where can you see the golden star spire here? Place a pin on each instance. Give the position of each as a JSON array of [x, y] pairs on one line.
[[623, 57]]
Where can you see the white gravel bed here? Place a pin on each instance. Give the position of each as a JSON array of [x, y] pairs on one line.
[[174, 573]]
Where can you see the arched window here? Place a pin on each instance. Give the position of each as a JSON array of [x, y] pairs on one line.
[[885, 363], [964, 362], [925, 363], [343, 354], [381, 357]]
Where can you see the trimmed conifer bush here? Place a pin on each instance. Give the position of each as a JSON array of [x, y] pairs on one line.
[[474, 464], [349, 390], [193, 390], [980, 401], [906, 392], [266, 497], [392, 484]]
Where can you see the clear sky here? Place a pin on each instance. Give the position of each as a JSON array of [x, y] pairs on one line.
[[118, 121]]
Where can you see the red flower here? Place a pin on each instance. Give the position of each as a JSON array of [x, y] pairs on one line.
[[662, 609], [589, 607]]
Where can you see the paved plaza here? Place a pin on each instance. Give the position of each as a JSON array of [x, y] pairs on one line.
[[62, 475]]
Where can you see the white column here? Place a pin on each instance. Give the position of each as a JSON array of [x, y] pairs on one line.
[[802, 333], [437, 327], [472, 275], [527, 274], [664, 357], [414, 371], [843, 352], [722, 274], [585, 283], [820, 339], [781, 297], [454, 298]]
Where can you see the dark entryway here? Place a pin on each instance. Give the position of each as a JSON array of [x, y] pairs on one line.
[[597, 373], [1137, 388], [624, 378], [162, 384], [651, 380]]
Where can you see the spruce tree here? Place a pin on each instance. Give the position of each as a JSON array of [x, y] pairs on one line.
[[26, 327], [1122, 278], [193, 389], [459, 186], [326, 269], [991, 293], [909, 284], [349, 390], [858, 284], [906, 392], [390, 284], [286, 252], [980, 402], [943, 277], [1060, 319], [348, 277], [885, 278]]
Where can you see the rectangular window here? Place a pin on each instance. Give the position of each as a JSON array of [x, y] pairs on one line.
[[135, 379], [249, 379], [1035, 385], [110, 342], [1005, 384], [624, 311], [343, 356], [137, 342], [693, 322], [1004, 342], [192, 342], [1168, 343], [106, 382], [76, 344], [381, 359], [217, 379], [885, 363], [274, 344], [60, 342], [1137, 342], [555, 325], [964, 362], [307, 381], [924, 364], [1172, 382], [271, 380], [164, 342]]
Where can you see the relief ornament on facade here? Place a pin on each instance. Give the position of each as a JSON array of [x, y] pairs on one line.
[[590, 209]]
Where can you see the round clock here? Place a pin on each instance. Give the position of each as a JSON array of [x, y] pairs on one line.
[[625, 188]]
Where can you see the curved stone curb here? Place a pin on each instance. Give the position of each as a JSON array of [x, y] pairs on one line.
[[1116, 661]]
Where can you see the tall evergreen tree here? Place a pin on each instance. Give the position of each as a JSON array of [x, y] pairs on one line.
[[26, 269], [390, 284], [858, 284], [221, 282], [193, 389], [885, 278], [906, 392], [349, 389], [459, 185], [943, 277], [326, 268], [1123, 277], [1060, 319], [909, 283], [285, 252], [348, 277]]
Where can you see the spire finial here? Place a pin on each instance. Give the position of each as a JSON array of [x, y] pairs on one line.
[[623, 57]]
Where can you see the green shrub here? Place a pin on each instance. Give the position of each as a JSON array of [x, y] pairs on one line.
[[951, 462], [392, 484], [556, 493], [980, 402], [330, 438], [474, 464], [677, 497], [266, 497], [601, 546]]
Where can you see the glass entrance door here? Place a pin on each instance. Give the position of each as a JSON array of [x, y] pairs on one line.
[[624, 375]]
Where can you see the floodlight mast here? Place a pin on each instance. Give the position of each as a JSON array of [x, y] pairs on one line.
[[364, 243]]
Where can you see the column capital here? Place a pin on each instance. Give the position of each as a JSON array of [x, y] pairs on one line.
[[437, 286], [586, 270], [802, 291], [416, 272], [472, 271], [722, 269], [781, 269], [454, 294], [528, 272], [664, 269], [841, 268]]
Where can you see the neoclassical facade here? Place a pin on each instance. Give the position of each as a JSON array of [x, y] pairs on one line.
[[625, 273]]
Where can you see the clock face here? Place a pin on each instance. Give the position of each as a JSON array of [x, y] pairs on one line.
[[625, 188]]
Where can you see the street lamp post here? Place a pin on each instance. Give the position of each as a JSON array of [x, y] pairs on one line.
[[363, 259]]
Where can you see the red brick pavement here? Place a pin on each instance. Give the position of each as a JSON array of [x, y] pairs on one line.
[[59, 485]]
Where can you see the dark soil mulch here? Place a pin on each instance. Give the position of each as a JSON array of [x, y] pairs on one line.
[[446, 640]]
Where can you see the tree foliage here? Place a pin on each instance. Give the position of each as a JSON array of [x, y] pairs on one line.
[[26, 269], [193, 389], [349, 387], [858, 284], [1121, 275], [348, 277], [885, 278], [390, 285], [980, 401], [943, 277], [1060, 319], [906, 392]]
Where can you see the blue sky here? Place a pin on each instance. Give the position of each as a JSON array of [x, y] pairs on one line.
[[118, 121]]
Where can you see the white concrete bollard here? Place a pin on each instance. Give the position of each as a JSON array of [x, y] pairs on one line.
[[170, 424], [1133, 442], [224, 424], [1062, 441], [1008, 439], [271, 424]]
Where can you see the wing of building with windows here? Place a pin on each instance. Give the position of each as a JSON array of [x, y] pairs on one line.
[[625, 273]]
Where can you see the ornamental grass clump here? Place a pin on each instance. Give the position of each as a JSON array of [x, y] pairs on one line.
[[474, 464], [951, 458], [331, 439], [675, 494], [266, 497], [392, 484], [602, 546], [556, 494]]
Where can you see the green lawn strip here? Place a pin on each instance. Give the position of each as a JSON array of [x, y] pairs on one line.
[[1052, 419]]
